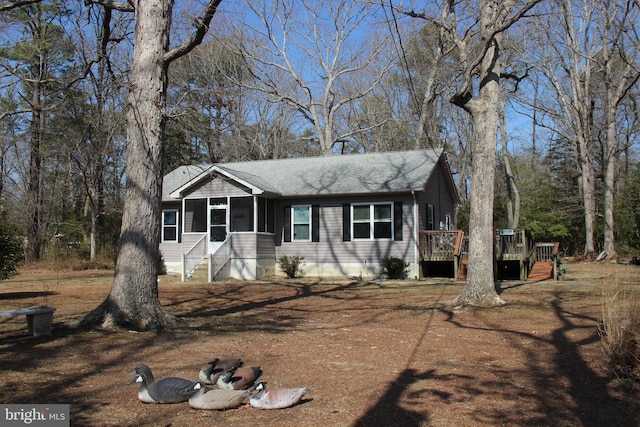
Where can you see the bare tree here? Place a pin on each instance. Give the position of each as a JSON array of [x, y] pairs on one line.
[[133, 300], [478, 43], [589, 62], [619, 64], [567, 63], [317, 58]]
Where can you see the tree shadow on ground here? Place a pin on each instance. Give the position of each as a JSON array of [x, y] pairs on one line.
[[387, 410], [568, 393], [230, 311]]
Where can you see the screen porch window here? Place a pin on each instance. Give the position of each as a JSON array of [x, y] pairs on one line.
[[373, 221], [195, 216], [170, 225], [266, 215], [241, 213], [301, 223]]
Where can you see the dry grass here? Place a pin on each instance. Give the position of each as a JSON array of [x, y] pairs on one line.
[[620, 333]]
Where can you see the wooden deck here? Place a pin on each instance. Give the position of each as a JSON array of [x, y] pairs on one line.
[[517, 256], [542, 270]]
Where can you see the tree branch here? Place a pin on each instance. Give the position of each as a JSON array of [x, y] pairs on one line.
[[464, 95], [202, 27], [127, 6], [16, 4]]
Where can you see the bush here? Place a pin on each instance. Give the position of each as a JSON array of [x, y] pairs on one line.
[[394, 268], [620, 334], [10, 248], [290, 265]]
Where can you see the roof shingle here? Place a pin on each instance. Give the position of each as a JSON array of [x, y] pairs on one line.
[[397, 171]]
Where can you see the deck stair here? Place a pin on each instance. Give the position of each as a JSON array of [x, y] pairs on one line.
[[462, 273], [542, 270], [199, 274]]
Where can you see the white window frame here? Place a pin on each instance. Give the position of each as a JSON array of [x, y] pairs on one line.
[[175, 226], [372, 221], [294, 223]]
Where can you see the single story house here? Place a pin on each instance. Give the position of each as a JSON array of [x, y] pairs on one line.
[[343, 214]]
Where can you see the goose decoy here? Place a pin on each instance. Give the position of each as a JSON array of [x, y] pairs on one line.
[[210, 399], [276, 398], [239, 378], [166, 390], [211, 371]]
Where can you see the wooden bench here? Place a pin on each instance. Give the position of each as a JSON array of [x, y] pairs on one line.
[[39, 319]]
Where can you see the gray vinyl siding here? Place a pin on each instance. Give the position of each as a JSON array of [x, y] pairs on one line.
[[435, 194], [243, 245], [171, 252], [332, 249], [218, 187], [266, 245], [252, 245]]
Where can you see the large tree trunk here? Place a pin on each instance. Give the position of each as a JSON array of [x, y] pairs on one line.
[[610, 180], [34, 197], [480, 287], [133, 301], [588, 188], [34, 191]]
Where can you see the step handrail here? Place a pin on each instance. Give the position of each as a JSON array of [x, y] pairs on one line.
[[220, 258], [194, 256]]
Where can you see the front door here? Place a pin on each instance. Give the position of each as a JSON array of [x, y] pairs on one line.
[[218, 223]]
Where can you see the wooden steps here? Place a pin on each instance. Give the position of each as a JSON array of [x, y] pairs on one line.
[[541, 271], [462, 274]]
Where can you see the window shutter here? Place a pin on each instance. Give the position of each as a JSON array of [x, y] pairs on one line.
[[397, 221], [315, 223], [286, 226], [346, 222]]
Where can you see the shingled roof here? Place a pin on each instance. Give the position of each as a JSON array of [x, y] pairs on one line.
[[388, 172]]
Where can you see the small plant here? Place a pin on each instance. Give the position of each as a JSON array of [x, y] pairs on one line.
[[620, 334], [394, 268], [290, 265]]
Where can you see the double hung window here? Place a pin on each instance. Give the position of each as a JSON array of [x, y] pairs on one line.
[[301, 223], [372, 221], [170, 225]]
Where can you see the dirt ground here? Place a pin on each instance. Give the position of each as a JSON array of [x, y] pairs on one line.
[[372, 354]]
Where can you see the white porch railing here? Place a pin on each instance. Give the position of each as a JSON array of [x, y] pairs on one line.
[[194, 256], [219, 258]]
